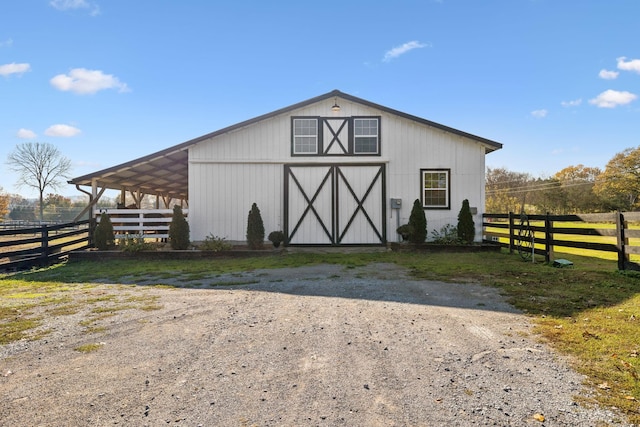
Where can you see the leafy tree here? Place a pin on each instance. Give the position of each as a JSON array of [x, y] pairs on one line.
[[22, 213], [255, 228], [40, 166], [619, 184], [506, 191], [103, 236], [466, 227], [418, 223], [4, 204], [576, 185], [179, 230]]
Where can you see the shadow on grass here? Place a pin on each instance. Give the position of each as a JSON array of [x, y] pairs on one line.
[[533, 288]]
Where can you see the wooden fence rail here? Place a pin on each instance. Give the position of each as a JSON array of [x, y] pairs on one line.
[[43, 245], [607, 232], [145, 223]]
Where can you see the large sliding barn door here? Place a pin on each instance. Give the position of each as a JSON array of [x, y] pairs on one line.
[[335, 204]]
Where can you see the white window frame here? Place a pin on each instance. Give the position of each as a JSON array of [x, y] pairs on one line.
[[446, 189], [309, 136], [356, 136]]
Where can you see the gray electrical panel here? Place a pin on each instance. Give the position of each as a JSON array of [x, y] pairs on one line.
[[396, 203]]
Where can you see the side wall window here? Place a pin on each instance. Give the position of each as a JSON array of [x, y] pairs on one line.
[[435, 188]]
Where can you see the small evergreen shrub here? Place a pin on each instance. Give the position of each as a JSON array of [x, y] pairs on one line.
[[418, 222], [466, 227], [255, 228], [215, 244], [103, 234], [179, 230], [276, 237]]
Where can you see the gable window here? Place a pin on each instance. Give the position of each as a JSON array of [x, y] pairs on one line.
[[436, 188], [365, 135], [335, 136], [305, 136]]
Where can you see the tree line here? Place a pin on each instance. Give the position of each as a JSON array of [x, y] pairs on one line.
[[574, 189]]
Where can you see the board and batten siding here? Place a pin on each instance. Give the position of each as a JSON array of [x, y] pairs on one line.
[[228, 172]]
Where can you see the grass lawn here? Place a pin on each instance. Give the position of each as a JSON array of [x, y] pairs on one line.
[[590, 311]]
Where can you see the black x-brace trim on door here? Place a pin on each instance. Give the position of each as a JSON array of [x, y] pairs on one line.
[[310, 203], [333, 177], [360, 203]]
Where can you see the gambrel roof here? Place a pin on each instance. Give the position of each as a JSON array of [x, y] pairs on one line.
[[166, 172]]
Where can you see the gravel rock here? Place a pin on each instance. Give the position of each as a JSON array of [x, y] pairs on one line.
[[315, 346]]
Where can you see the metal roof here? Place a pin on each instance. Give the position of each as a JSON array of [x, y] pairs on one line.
[[166, 172]]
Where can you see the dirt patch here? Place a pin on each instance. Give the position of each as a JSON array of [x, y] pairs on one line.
[[317, 346]]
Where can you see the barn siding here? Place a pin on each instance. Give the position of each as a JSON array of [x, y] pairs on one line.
[[230, 171]]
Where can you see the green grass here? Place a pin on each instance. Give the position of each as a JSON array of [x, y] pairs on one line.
[[590, 312]]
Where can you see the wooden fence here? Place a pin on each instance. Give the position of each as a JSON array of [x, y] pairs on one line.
[[42, 245], [145, 223], [543, 234]]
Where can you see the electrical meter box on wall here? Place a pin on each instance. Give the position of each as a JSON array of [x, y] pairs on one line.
[[396, 203]]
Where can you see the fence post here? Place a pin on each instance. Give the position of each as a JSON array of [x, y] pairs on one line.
[[622, 256], [92, 228], [44, 244], [511, 235], [548, 237]]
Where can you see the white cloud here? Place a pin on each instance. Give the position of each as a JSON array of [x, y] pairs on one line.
[[26, 134], [83, 81], [573, 103], [400, 50], [539, 114], [94, 9], [13, 68], [7, 43], [632, 65], [612, 98], [62, 131], [608, 75]]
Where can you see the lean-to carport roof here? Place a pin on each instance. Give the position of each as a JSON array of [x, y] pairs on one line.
[[166, 172]]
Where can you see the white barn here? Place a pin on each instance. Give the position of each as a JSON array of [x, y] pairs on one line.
[[331, 170]]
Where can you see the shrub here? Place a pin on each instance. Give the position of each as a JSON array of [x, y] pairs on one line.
[[276, 237], [418, 222], [179, 230], [448, 235], [103, 234], [466, 227], [255, 228], [135, 243], [405, 230], [215, 244]]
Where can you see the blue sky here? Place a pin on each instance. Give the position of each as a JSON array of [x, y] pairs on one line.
[[557, 82]]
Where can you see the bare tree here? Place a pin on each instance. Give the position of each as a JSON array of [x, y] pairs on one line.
[[40, 166]]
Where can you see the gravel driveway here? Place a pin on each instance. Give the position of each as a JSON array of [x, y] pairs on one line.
[[315, 346]]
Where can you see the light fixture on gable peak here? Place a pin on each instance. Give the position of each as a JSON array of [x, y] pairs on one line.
[[335, 107]]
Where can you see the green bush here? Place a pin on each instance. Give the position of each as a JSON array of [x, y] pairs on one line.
[[466, 227], [405, 230], [103, 234], [276, 237], [448, 235], [135, 243], [179, 230], [255, 228], [214, 244], [418, 223]]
